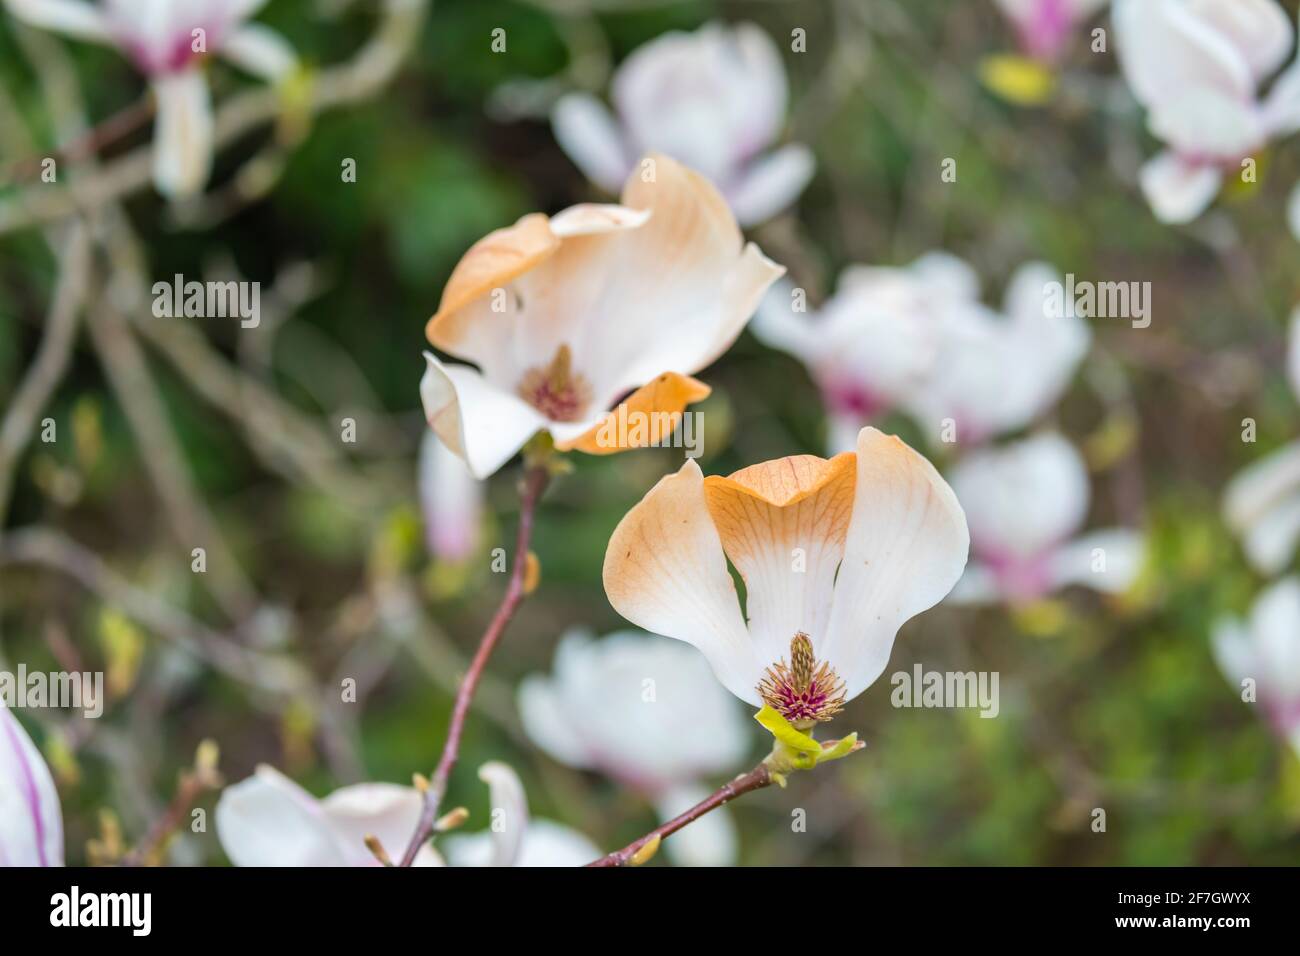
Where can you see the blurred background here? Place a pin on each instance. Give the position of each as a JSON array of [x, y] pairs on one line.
[[177, 431]]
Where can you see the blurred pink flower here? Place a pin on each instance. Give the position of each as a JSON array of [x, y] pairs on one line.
[[714, 99], [167, 40], [1026, 502], [1266, 649], [1046, 26], [31, 821], [1197, 66]]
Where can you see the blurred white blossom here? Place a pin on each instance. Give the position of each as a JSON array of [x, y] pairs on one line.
[[268, 820], [1045, 27], [168, 41], [714, 99], [1026, 503], [1262, 503], [1198, 67], [647, 712], [1265, 650], [512, 837]]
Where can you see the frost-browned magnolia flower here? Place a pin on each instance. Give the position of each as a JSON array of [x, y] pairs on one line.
[[835, 554], [566, 315]]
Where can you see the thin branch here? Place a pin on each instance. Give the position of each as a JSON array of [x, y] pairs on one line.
[[51, 362], [534, 483], [756, 779]]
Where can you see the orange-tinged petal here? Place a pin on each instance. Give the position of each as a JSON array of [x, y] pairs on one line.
[[646, 417], [783, 525], [490, 263]]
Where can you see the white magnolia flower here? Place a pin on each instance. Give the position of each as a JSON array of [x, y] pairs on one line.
[[873, 343], [1262, 503], [167, 40], [647, 712], [1197, 66], [998, 373], [1026, 503], [451, 499], [566, 315], [31, 821], [836, 555], [268, 820], [1045, 27], [513, 838], [714, 99], [1266, 650]]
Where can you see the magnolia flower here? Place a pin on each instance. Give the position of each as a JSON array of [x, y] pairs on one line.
[[835, 554], [451, 499], [31, 822], [714, 99], [1266, 650], [565, 315], [1045, 27], [167, 41], [1262, 503], [1197, 67], [997, 373], [1026, 502], [647, 712], [513, 839], [872, 344], [268, 820]]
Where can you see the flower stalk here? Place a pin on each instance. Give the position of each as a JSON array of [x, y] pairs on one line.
[[536, 477]]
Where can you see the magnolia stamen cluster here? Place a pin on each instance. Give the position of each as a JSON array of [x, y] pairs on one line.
[[804, 692]]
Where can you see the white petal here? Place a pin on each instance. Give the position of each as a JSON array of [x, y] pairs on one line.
[[709, 841], [777, 325], [977, 585], [73, 17], [587, 132], [1258, 30], [1234, 651], [451, 500], [1165, 51], [1275, 631], [1107, 560], [906, 548], [665, 571], [1262, 504], [268, 820], [31, 822], [183, 136], [771, 183], [476, 420], [1209, 125], [260, 51], [1179, 190], [509, 812], [385, 810], [1281, 109], [548, 843], [947, 275], [1023, 498]]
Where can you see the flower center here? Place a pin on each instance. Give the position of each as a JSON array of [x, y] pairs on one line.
[[556, 390], [803, 691]]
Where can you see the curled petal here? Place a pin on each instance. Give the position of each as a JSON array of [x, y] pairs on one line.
[[260, 51], [771, 183], [589, 135], [509, 812]]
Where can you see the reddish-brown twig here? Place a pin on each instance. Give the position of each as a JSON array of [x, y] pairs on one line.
[[534, 483], [756, 779]]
